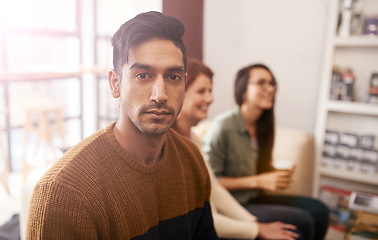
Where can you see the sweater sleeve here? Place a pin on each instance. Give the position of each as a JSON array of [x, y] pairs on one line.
[[50, 219]]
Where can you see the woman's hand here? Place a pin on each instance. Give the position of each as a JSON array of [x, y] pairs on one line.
[[277, 230], [275, 181]]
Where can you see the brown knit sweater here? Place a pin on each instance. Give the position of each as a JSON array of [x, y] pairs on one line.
[[96, 191]]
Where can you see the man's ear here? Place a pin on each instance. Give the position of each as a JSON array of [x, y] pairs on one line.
[[114, 83]]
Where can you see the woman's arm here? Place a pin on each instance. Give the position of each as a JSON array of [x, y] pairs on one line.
[[222, 201], [273, 181], [231, 220], [226, 227]]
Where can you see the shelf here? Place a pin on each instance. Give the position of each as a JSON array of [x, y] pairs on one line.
[[353, 107], [349, 175], [356, 41]]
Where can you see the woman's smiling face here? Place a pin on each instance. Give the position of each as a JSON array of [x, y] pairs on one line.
[[198, 98], [261, 89]]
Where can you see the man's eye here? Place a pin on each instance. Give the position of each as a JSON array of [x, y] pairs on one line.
[[174, 77], [142, 75]]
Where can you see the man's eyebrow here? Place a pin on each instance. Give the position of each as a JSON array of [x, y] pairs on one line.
[[177, 69], [145, 66], [140, 65]]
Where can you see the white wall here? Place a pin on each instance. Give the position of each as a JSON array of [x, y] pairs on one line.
[[286, 35]]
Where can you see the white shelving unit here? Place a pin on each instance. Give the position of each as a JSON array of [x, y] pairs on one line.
[[356, 41], [352, 108], [361, 54]]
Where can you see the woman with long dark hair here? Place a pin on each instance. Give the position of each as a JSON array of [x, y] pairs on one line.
[[239, 145]]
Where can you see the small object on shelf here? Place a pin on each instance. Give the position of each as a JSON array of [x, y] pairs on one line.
[[366, 141], [336, 84], [371, 26], [347, 142], [354, 163], [367, 202], [348, 79], [330, 145], [349, 139], [357, 161], [369, 161], [373, 89], [342, 84], [357, 18], [346, 18], [342, 157]]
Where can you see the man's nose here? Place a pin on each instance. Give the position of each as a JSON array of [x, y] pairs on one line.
[[159, 93]]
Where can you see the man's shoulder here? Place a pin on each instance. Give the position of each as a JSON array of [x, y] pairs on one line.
[[80, 160], [97, 141], [93, 144], [186, 148]]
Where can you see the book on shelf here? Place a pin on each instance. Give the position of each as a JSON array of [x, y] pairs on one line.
[[364, 201], [337, 199]]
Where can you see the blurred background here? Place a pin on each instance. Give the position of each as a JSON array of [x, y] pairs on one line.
[[40, 38], [55, 56]]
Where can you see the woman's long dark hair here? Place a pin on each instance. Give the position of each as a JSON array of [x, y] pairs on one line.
[[265, 127]]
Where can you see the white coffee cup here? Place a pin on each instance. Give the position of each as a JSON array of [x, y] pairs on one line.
[[283, 164]]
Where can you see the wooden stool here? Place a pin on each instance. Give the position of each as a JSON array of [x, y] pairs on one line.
[[42, 110], [5, 170]]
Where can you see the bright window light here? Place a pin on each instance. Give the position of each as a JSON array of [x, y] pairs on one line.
[[38, 14]]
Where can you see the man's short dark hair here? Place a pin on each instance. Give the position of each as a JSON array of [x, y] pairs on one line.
[[143, 27]]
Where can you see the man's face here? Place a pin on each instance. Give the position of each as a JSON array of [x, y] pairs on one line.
[[152, 88]]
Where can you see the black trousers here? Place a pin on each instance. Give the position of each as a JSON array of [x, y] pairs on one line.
[[310, 215]]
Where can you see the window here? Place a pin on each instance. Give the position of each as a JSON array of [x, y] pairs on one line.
[[40, 43]]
